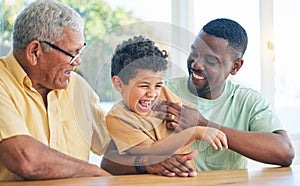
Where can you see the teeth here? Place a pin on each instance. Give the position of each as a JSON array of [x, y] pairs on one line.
[[198, 76], [145, 103], [148, 103]]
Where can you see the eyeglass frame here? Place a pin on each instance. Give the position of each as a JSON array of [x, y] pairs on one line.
[[73, 58]]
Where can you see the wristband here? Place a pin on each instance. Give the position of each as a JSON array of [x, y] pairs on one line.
[[138, 167]]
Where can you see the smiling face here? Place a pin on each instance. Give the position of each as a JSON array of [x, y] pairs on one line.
[[53, 68], [210, 62], [141, 91]]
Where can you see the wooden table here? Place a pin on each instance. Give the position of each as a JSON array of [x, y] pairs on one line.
[[261, 176]]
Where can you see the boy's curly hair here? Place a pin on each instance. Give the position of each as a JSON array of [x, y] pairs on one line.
[[134, 54]]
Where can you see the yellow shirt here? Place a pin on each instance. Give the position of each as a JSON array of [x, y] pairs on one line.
[[73, 123]]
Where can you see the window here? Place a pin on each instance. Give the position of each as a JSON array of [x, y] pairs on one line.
[[249, 19], [287, 84]]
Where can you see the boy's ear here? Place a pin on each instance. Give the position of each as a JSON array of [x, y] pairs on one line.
[[118, 84]]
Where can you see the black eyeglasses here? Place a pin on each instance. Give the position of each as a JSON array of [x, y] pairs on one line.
[[73, 58]]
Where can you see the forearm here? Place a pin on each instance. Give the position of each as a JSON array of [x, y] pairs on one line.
[[115, 168], [169, 145], [265, 147], [31, 159], [272, 148], [117, 164], [59, 165], [126, 164]]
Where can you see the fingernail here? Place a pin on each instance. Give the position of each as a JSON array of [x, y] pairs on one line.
[[193, 174]]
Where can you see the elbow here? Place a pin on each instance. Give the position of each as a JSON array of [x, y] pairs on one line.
[[26, 171], [287, 157], [22, 167], [287, 161], [29, 168]]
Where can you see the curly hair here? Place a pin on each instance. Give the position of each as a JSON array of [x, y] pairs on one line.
[[230, 30], [134, 54]]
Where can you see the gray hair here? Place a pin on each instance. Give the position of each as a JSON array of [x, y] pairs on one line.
[[44, 20]]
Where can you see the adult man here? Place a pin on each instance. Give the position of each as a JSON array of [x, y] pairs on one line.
[[252, 129], [49, 116]]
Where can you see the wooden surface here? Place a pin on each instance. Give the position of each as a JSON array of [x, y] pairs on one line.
[[261, 176]]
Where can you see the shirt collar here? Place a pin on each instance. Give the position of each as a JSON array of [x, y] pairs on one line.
[[17, 71]]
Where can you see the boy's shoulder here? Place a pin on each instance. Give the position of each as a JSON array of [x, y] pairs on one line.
[[168, 96]]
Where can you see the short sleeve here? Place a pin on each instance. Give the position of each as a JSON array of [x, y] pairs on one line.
[[11, 121], [263, 119], [125, 129]]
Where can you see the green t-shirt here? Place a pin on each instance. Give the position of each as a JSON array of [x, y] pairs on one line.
[[238, 107]]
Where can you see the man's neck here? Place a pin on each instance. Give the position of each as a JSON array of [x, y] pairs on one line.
[[43, 92]]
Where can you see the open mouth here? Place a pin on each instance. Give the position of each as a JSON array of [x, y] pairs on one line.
[[68, 73], [144, 105], [198, 75]]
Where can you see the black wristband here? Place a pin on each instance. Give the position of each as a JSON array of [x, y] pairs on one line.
[[138, 167]]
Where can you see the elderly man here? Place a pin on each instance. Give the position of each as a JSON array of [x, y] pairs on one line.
[[49, 116]]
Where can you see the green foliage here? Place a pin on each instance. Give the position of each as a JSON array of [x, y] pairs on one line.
[[104, 29], [8, 13], [99, 18]]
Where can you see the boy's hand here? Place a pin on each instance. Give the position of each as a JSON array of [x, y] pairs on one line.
[[216, 138]]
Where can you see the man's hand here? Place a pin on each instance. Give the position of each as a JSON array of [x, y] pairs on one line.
[[176, 165], [179, 117]]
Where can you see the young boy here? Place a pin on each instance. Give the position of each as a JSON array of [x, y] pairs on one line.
[[137, 70]]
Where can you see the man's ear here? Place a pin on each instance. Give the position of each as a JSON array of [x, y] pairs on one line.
[[118, 84], [33, 52], [236, 66]]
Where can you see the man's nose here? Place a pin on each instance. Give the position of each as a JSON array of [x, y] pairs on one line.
[[198, 64], [76, 62]]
